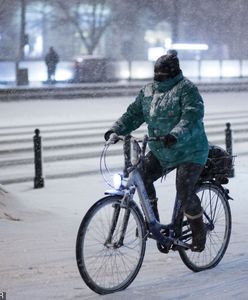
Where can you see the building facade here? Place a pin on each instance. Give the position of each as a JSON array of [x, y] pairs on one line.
[[124, 30]]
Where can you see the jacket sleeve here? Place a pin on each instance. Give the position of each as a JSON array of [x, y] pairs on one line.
[[191, 117], [131, 119]]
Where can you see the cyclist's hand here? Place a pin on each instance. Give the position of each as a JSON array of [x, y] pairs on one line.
[[111, 137], [107, 135], [169, 140]]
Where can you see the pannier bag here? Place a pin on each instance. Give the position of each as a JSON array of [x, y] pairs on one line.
[[219, 165]]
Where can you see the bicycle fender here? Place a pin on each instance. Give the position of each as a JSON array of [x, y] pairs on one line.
[[225, 191]]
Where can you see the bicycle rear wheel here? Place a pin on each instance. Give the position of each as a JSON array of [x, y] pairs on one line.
[[217, 217], [106, 264]]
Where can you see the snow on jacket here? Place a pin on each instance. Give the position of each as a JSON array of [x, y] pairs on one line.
[[173, 106]]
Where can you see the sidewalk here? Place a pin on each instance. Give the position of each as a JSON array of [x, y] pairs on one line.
[[38, 84], [39, 90]]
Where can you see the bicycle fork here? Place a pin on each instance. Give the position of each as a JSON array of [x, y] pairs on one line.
[[116, 215]]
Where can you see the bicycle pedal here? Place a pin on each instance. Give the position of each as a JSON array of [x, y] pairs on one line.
[[162, 249], [196, 249]]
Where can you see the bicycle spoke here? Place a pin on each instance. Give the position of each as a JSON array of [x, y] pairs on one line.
[[218, 216], [111, 264]]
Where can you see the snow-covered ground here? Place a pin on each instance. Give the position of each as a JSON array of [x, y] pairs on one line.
[[38, 228], [53, 111]]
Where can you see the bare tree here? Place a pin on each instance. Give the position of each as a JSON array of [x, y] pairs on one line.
[[2, 5], [213, 22], [89, 18]]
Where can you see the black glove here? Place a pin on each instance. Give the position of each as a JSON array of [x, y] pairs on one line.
[[107, 134], [111, 137], [169, 140]]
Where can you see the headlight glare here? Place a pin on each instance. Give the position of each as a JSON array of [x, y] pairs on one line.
[[117, 181]]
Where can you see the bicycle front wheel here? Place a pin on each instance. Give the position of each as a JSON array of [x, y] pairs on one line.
[[217, 217], [110, 245]]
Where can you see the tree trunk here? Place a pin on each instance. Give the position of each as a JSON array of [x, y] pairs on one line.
[[20, 55]]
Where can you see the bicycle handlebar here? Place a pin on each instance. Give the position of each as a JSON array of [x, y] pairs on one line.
[[139, 150], [114, 138], [138, 147]]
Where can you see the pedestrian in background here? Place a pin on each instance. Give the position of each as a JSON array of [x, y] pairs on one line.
[[51, 59]]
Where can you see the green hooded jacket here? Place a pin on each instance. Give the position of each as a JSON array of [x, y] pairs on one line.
[[173, 106]]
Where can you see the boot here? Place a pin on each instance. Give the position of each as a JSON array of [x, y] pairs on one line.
[[199, 232]]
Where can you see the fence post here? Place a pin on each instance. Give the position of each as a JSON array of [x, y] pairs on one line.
[[38, 179], [229, 148]]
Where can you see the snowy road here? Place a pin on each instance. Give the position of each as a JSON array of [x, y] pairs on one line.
[[72, 133], [37, 253]]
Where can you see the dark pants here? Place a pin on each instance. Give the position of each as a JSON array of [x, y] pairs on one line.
[[187, 175], [51, 69]]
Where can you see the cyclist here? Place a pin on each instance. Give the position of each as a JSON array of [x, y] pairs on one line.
[[173, 109]]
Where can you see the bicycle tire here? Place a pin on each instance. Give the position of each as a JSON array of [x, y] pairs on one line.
[[215, 203], [104, 269]]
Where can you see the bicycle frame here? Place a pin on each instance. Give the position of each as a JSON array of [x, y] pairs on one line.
[[135, 182], [111, 240]]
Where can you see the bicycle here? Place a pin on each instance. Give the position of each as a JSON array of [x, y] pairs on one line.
[[111, 240]]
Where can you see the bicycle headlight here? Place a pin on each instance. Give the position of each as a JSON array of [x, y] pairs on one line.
[[117, 181]]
